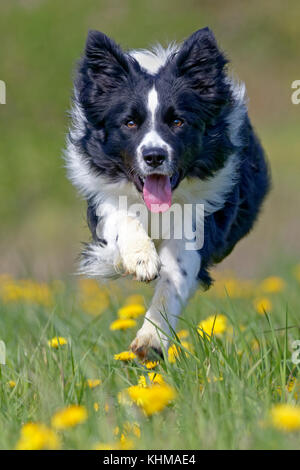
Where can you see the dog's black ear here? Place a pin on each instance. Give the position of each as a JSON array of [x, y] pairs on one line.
[[105, 60], [103, 70], [201, 63]]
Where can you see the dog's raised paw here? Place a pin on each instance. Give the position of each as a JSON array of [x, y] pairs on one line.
[[144, 264]]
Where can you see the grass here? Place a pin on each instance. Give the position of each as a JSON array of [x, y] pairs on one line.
[[225, 387], [43, 41]]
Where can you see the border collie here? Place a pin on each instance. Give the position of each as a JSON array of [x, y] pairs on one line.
[[158, 127]]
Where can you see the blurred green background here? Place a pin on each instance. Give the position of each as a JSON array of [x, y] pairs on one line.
[[42, 218]]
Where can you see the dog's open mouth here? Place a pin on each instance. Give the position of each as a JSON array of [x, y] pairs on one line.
[[157, 190]]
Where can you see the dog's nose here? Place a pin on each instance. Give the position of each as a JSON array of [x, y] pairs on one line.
[[154, 157]]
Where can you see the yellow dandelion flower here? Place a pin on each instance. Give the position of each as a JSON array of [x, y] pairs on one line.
[[286, 417], [27, 291], [106, 446], [122, 324], [11, 383], [153, 378], [125, 356], [174, 351], [131, 311], [183, 334], [37, 436], [262, 305], [292, 386], [214, 324], [151, 364], [272, 285], [57, 341], [126, 443], [96, 406], [69, 417], [152, 399], [92, 383], [215, 379]]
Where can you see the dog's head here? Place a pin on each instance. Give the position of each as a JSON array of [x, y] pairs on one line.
[[153, 125]]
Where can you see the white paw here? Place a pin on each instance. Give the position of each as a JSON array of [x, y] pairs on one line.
[[148, 342], [138, 253], [144, 264]]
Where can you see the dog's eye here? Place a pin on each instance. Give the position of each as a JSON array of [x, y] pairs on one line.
[[177, 122], [131, 124]]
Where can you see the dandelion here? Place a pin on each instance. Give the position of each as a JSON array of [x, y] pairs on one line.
[[215, 379], [37, 436], [214, 324], [106, 446], [125, 356], [285, 417], [69, 417], [92, 383], [27, 291], [126, 443], [151, 364], [131, 311], [152, 377], [152, 399], [272, 285], [292, 386], [11, 383], [262, 305], [96, 407], [174, 351], [182, 334], [57, 341], [122, 324]]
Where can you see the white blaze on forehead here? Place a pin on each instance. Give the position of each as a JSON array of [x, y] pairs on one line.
[[152, 137], [153, 103]]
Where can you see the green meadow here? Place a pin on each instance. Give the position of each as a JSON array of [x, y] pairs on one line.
[[223, 385], [229, 367]]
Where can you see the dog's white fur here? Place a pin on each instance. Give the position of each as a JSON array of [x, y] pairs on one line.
[[129, 248]]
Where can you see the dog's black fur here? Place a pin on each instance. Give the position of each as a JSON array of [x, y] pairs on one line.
[[193, 84]]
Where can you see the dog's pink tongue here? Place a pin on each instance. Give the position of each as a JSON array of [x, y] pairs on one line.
[[157, 193]]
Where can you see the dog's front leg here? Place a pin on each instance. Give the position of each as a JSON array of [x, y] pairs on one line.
[[137, 250], [178, 280], [123, 247]]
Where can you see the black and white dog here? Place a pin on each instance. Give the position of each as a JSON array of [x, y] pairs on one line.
[[160, 127]]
